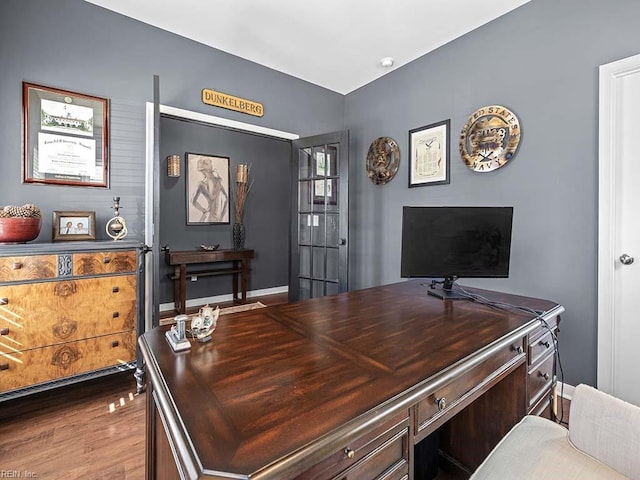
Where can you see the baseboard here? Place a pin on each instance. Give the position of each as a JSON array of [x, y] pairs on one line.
[[565, 390], [195, 302]]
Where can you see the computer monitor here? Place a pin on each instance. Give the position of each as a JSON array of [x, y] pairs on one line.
[[454, 242]]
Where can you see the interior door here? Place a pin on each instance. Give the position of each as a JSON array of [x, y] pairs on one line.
[[619, 230], [320, 220]]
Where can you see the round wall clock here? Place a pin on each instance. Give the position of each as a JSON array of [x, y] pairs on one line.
[[490, 138], [383, 159]]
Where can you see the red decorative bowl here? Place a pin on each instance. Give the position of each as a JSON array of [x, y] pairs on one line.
[[19, 229]]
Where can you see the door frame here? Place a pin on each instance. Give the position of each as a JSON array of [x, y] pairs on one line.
[[610, 119], [151, 164]]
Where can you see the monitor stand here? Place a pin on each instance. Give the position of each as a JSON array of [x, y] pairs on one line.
[[446, 292]]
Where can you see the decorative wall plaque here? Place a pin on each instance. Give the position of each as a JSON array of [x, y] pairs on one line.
[[490, 138], [383, 159]]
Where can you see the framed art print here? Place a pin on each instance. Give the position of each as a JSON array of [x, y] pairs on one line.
[[429, 161], [65, 137], [207, 189]]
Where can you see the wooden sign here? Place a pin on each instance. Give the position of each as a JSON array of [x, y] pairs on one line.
[[223, 100]]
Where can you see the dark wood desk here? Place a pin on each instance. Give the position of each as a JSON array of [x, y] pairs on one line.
[[181, 260], [344, 386]]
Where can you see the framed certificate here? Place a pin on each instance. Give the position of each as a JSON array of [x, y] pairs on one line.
[[65, 137]]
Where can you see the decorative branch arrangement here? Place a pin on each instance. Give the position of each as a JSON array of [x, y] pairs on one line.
[[243, 185]]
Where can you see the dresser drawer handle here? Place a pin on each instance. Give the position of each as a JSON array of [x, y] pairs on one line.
[[4, 331], [442, 403], [4, 301], [115, 289], [115, 343], [4, 366], [544, 344], [106, 260], [115, 314], [349, 453], [544, 375], [17, 265]]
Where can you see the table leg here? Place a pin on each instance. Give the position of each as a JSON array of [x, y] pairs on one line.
[[180, 291], [235, 280], [243, 277]]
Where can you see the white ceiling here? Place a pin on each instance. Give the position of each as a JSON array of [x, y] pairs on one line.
[[337, 44]]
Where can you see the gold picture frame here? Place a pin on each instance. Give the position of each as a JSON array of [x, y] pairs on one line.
[[73, 226]]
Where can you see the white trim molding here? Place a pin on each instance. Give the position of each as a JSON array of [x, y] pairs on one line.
[[195, 302], [610, 92]]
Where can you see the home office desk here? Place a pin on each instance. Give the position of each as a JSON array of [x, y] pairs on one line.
[[344, 386], [182, 259]]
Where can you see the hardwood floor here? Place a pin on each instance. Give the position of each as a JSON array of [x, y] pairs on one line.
[[93, 430]]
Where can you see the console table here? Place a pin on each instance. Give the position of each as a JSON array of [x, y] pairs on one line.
[[347, 386], [180, 260]]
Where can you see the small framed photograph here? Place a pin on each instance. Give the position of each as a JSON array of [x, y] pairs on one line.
[[73, 226], [429, 162], [208, 180], [66, 137]]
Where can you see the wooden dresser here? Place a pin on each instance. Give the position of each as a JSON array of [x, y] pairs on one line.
[[68, 312]]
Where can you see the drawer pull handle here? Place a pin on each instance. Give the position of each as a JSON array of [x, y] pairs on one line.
[[17, 265], [545, 344], [106, 260], [519, 350], [4, 331], [115, 343], [442, 403], [349, 453], [4, 366], [115, 289], [116, 314], [4, 301], [544, 375]]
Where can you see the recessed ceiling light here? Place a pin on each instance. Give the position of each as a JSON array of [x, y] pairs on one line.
[[387, 62]]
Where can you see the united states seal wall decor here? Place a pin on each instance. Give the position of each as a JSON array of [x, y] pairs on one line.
[[383, 159], [490, 138]]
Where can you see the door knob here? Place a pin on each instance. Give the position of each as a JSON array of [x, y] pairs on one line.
[[626, 259]]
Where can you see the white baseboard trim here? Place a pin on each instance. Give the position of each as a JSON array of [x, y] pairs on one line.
[[194, 302], [565, 390]]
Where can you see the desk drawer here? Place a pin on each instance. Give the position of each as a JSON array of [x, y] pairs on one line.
[[98, 263], [20, 369], [540, 379], [540, 347], [382, 451], [444, 399], [34, 267]]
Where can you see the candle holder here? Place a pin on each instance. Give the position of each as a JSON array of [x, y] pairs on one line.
[[116, 227]]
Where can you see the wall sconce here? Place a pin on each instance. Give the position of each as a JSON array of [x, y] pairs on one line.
[[173, 165]]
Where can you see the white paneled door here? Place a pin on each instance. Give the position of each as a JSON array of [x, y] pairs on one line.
[[619, 230]]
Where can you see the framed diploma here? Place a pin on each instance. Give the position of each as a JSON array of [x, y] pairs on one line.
[[429, 155], [65, 137]]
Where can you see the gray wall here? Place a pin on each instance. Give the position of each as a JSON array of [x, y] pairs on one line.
[[267, 214], [541, 61], [75, 45]]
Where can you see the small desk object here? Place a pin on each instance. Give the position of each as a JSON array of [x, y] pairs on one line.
[[348, 386], [182, 259]]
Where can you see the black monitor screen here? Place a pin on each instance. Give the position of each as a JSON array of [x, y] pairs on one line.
[[439, 242]]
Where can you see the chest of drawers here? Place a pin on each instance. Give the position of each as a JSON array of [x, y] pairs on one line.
[[67, 313]]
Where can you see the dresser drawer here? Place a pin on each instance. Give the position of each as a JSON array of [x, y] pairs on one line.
[[449, 396], [540, 379], [97, 263], [384, 450], [35, 267], [47, 313], [20, 369]]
